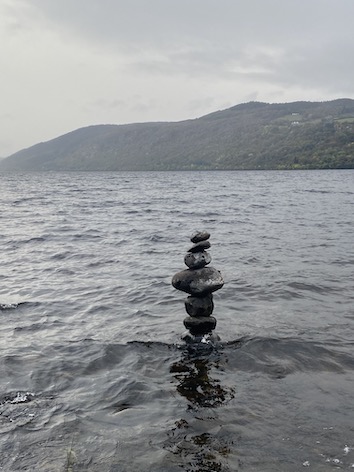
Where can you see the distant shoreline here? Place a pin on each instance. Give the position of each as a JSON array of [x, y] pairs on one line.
[[251, 136]]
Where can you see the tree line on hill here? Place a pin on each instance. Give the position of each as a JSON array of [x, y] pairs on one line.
[[255, 135]]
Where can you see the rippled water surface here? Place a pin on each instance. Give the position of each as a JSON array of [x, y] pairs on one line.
[[94, 375]]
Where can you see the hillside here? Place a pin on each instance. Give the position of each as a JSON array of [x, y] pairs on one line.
[[299, 135]]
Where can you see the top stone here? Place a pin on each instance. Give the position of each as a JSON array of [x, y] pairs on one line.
[[200, 236]]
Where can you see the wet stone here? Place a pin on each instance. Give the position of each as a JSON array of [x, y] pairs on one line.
[[202, 325], [199, 247], [199, 306], [198, 282], [200, 236], [201, 341], [197, 260]]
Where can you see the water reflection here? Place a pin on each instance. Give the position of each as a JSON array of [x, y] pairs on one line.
[[197, 441], [196, 383]]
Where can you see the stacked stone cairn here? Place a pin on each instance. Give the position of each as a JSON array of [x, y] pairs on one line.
[[199, 281]]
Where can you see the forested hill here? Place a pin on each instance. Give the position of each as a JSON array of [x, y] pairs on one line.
[[299, 135]]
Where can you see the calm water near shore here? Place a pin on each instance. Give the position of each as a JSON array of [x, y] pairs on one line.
[[94, 375]]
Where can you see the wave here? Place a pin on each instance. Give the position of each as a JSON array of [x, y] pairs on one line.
[[277, 357]]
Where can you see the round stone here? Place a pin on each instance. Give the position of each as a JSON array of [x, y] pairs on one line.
[[199, 247], [198, 282], [202, 325], [197, 260], [200, 236], [199, 306]]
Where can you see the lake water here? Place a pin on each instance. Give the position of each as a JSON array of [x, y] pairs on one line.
[[94, 375]]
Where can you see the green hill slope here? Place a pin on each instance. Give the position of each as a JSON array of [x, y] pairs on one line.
[[299, 135]]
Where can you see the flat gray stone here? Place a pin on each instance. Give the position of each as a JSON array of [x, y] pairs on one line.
[[199, 247], [198, 282], [199, 306], [197, 260], [202, 325], [200, 236]]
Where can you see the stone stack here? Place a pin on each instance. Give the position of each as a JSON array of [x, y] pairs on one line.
[[200, 282]]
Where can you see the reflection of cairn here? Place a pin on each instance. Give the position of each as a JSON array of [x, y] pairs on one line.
[[199, 281]]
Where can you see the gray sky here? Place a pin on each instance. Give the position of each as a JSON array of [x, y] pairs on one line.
[[65, 64]]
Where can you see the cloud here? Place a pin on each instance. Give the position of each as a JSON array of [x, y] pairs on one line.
[[162, 23], [67, 64], [325, 66]]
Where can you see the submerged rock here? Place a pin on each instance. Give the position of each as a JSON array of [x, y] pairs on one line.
[[201, 342], [198, 282], [197, 260]]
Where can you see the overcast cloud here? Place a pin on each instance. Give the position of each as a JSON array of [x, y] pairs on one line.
[[66, 64]]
